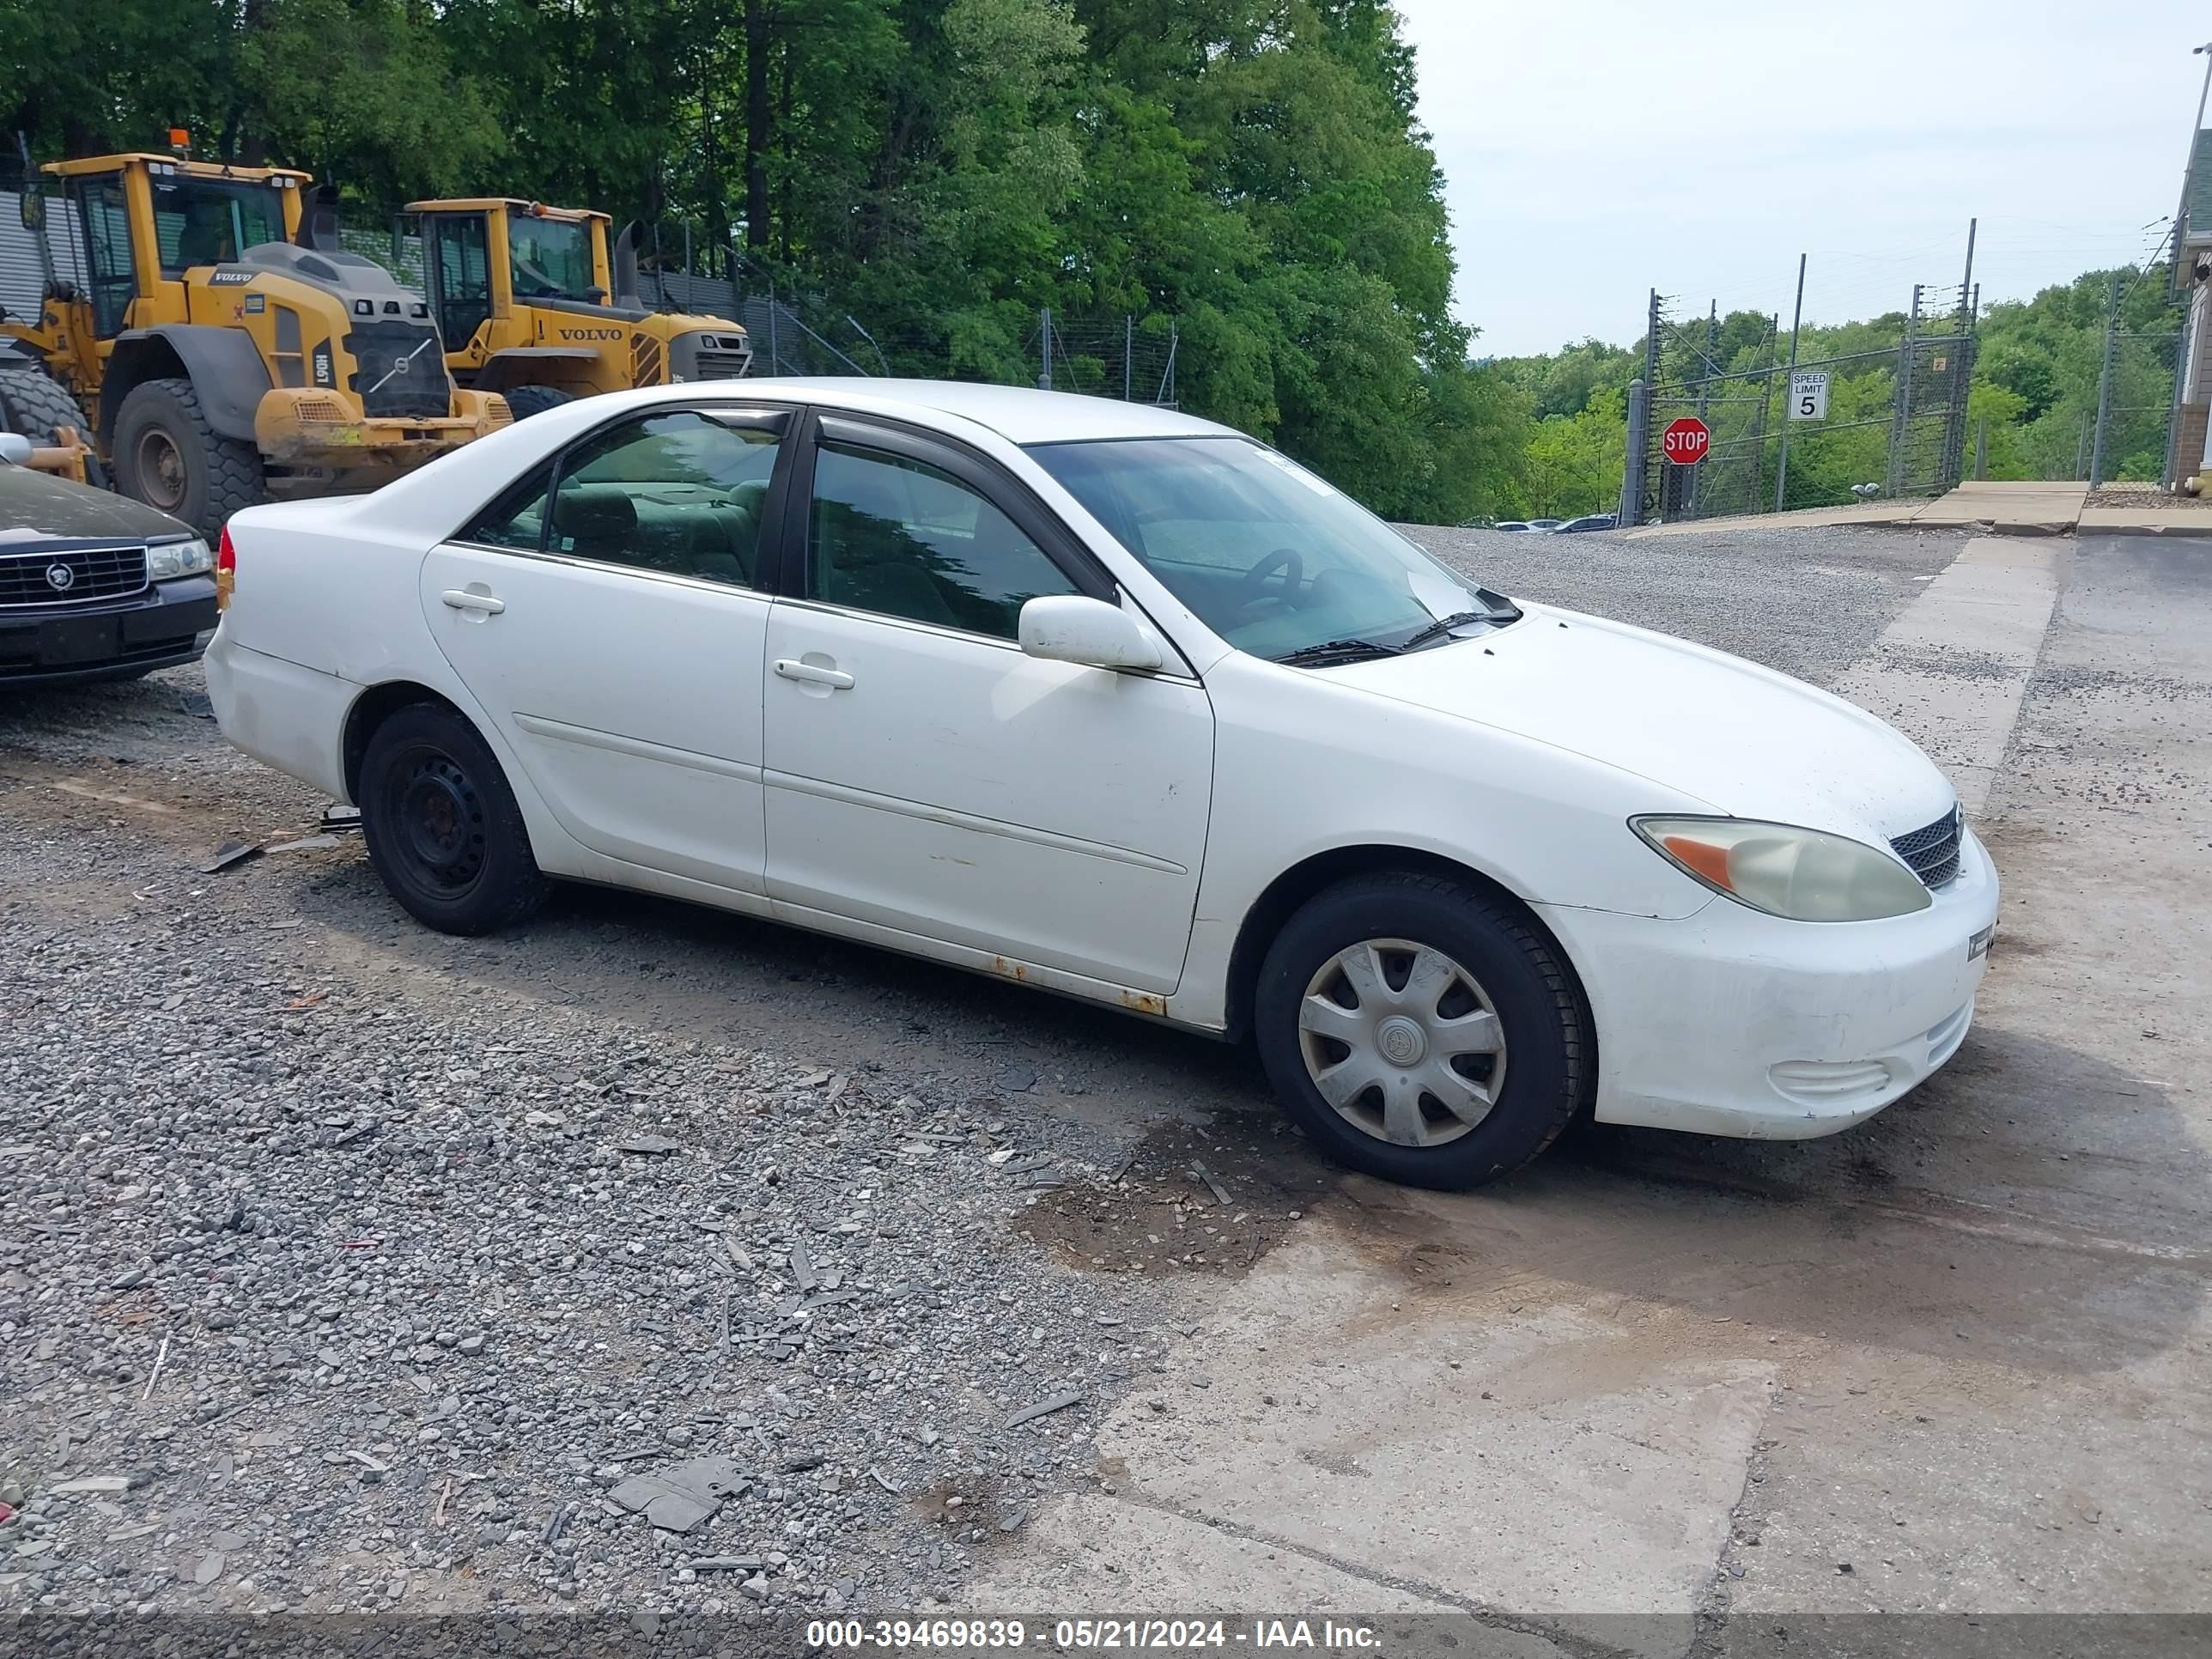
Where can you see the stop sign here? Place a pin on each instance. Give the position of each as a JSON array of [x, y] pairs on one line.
[[1685, 441]]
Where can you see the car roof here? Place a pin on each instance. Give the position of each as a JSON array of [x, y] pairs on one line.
[[1021, 414]]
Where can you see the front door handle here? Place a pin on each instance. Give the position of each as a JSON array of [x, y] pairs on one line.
[[809, 673], [463, 598]]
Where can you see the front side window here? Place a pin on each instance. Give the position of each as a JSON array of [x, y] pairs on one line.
[[211, 221], [676, 492], [903, 539], [1273, 559], [551, 258], [464, 276]]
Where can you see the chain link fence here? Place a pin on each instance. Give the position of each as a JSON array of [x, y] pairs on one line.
[[1786, 431]]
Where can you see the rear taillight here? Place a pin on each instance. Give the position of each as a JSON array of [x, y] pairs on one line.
[[226, 569]]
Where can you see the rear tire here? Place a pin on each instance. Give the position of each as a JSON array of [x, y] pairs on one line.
[[1437, 955], [442, 824], [167, 455], [527, 400], [36, 405]]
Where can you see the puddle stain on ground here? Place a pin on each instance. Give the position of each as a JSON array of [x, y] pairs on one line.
[[1161, 1213]]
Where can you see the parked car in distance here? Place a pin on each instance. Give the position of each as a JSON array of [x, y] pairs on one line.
[[1588, 521], [1111, 701], [1543, 524], [1513, 526], [93, 585]]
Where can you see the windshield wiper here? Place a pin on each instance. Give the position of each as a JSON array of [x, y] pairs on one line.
[[1309, 656], [1444, 625]]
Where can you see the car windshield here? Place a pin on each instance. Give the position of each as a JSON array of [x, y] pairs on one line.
[[1271, 557], [552, 258], [211, 221]]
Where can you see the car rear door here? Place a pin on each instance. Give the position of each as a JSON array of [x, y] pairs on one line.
[[609, 617], [923, 774]]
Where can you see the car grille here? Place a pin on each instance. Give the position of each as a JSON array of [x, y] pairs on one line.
[[94, 573], [1932, 853], [723, 365], [402, 375]]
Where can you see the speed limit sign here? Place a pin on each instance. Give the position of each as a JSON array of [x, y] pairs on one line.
[[1808, 394]]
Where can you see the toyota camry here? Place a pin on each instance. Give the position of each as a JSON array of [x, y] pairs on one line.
[[1122, 704]]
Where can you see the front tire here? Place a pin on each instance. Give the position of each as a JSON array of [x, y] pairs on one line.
[[1424, 1030], [40, 407], [523, 401], [442, 827], [167, 455]]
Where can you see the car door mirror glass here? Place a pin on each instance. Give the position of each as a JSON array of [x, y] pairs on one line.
[[1074, 627]]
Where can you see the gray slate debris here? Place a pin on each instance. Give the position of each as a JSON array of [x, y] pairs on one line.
[[678, 1498]]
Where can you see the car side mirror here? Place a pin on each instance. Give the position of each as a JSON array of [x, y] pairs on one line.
[[1071, 628], [15, 449]]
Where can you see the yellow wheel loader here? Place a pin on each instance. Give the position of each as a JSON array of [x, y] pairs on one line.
[[534, 307], [227, 348]]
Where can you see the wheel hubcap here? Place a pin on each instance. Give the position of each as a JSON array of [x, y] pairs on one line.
[[161, 470], [1402, 1041], [442, 822]]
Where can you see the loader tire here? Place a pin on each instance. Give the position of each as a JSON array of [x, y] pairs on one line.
[[527, 400], [36, 405], [167, 456]]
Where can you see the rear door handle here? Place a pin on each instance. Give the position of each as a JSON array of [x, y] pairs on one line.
[[461, 598], [805, 672]]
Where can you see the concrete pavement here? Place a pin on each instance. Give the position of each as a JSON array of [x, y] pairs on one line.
[[1991, 507], [1660, 1392]]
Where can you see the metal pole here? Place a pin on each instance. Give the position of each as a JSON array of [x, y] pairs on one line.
[[1982, 448], [1632, 458], [2081, 447], [2189, 169], [2173, 474], [1044, 346], [1640, 457], [1128, 355], [1796, 317], [2105, 387], [1766, 398], [1902, 414], [1705, 390], [1962, 368]]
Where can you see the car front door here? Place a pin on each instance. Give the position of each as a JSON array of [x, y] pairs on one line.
[[609, 616], [925, 777]]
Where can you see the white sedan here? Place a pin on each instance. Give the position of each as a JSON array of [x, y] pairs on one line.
[[1122, 704]]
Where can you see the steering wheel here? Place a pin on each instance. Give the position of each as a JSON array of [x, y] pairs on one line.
[[1285, 559]]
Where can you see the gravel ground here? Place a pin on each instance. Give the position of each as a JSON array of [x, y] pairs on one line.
[[346, 1266], [1844, 586]]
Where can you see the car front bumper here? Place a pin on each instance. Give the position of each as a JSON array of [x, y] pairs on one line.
[[1731, 1022], [166, 624]]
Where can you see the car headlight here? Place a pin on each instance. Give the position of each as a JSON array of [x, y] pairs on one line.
[[165, 560], [1804, 875]]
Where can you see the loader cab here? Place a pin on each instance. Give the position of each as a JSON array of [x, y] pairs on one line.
[[146, 220], [484, 257]]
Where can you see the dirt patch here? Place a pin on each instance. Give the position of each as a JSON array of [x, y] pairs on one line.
[[1163, 1212]]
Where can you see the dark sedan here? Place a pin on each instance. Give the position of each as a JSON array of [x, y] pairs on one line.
[[93, 586]]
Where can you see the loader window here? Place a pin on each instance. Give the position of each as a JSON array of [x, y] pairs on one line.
[[552, 257], [114, 284], [463, 276], [211, 221]]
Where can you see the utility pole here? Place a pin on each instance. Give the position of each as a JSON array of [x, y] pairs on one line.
[[1636, 460], [2105, 387], [2189, 169], [1796, 317]]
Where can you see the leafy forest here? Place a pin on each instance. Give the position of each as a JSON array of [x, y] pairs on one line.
[[1252, 172]]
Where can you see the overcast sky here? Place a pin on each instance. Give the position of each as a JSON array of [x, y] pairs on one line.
[[1594, 148]]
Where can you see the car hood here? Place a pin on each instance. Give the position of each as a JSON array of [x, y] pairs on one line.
[[1742, 739], [37, 507]]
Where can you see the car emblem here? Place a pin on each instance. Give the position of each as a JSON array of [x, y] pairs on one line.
[[60, 578]]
